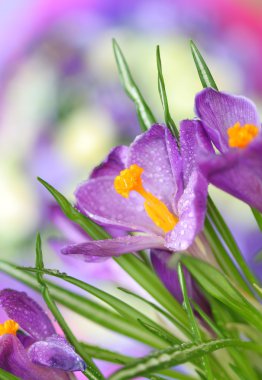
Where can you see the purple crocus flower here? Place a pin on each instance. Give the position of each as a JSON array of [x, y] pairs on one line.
[[233, 125], [35, 352], [150, 188]]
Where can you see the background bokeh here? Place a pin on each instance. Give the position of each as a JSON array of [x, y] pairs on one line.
[[62, 107]]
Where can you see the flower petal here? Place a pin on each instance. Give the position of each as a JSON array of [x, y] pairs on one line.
[[194, 144], [56, 352], [191, 214], [238, 172], [89, 251], [219, 111], [98, 199], [168, 275], [27, 313], [113, 164], [14, 359], [157, 153]]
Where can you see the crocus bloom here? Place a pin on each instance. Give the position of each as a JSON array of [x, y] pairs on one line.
[[29, 345], [233, 125], [150, 188]]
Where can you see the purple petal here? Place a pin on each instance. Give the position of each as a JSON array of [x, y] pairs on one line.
[[238, 172], [98, 199], [168, 275], [157, 153], [113, 164], [160, 260], [14, 359], [113, 247], [194, 144], [27, 313], [219, 111], [191, 214], [56, 352]]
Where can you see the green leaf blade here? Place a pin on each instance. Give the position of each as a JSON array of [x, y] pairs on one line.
[[167, 358], [228, 238], [163, 96], [258, 217], [91, 372], [145, 115], [204, 73], [4, 375], [192, 320]]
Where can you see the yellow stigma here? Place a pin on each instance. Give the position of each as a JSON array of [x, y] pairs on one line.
[[241, 136], [9, 327], [130, 180]]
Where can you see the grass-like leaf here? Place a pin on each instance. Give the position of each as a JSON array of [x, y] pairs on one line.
[[204, 73], [242, 362], [145, 115], [7, 375], [228, 238], [197, 338], [91, 228], [218, 286], [115, 357], [128, 312], [81, 305], [91, 372], [169, 357], [165, 335], [258, 217], [222, 256], [163, 96], [151, 304]]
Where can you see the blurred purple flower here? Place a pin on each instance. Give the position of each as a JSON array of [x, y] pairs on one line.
[[38, 352], [233, 125]]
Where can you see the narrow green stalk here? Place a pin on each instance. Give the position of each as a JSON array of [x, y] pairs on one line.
[[228, 238], [193, 323], [258, 217], [163, 96], [7, 375], [222, 256], [151, 304], [91, 372], [239, 357], [145, 115], [204, 73], [128, 312]]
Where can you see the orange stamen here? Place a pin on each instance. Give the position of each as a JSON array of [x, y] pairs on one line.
[[130, 180], [9, 327], [241, 136]]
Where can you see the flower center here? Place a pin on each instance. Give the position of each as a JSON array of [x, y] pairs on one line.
[[241, 136], [9, 327], [130, 180]]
